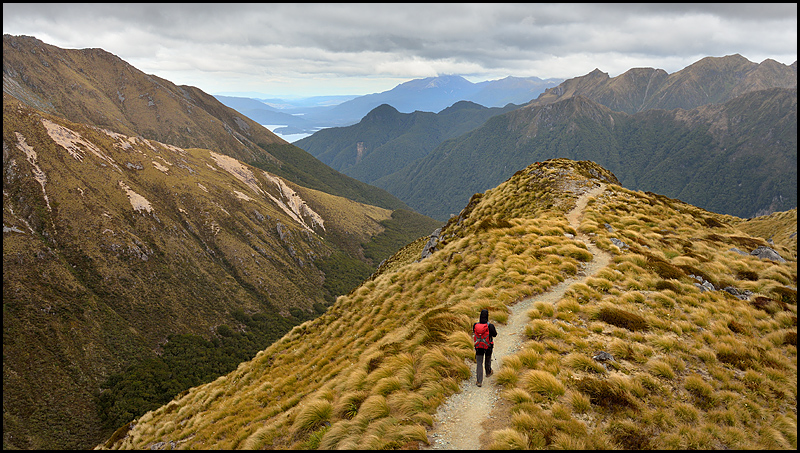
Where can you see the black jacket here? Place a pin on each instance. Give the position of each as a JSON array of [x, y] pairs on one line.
[[484, 319]]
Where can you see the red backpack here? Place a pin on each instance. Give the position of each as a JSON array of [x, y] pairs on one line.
[[480, 335]]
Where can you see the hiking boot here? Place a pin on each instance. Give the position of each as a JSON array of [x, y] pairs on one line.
[[478, 384], [489, 373]]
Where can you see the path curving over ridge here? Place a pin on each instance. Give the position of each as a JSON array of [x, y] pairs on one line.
[[459, 421]]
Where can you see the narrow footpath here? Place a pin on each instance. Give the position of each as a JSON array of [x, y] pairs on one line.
[[458, 424]]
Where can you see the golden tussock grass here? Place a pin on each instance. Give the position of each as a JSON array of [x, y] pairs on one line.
[[542, 383], [582, 362], [517, 396], [661, 369], [523, 421], [541, 329], [690, 369], [546, 309], [508, 439], [621, 318], [583, 292], [348, 404], [579, 402], [567, 305]]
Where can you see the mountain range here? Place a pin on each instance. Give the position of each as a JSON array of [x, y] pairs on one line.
[[710, 80], [720, 134], [431, 94], [146, 224], [385, 139]]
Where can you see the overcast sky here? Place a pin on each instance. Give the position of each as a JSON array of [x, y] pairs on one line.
[[322, 49]]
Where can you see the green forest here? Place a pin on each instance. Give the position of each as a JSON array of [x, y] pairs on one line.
[[188, 361]]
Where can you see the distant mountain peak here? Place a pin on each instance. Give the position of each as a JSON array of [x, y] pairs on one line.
[[380, 113], [441, 81], [461, 105], [597, 72]]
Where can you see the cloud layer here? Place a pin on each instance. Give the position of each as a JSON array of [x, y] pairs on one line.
[[364, 48]]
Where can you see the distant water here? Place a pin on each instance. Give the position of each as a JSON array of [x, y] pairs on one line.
[[291, 138]]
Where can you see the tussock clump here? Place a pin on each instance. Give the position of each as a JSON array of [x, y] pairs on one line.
[[747, 275], [508, 439], [622, 318], [517, 395], [661, 369], [737, 355], [768, 305], [737, 327], [713, 223], [664, 269], [627, 350], [313, 415], [543, 384], [582, 362], [540, 329], [579, 402], [787, 295], [487, 224], [440, 322], [348, 404], [668, 284], [612, 393], [633, 436], [703, 392]]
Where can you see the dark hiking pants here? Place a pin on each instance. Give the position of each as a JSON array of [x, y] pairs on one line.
[[484, 359]]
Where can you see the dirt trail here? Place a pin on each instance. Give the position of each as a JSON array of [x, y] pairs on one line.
[[459, 422]]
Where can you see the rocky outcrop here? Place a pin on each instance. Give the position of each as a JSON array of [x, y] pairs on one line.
[[430, 246], [766, 253]]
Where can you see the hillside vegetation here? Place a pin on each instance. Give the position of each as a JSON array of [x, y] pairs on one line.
[[117, 249], [692, 367], [779, 227]]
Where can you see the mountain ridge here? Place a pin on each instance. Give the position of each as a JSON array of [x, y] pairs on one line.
[[675, 350], [96, 86], [121, 249], [423, 178], [710, 80]]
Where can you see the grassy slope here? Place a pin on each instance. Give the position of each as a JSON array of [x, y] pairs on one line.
[[72, 316], [85, 278], [781, 227], [691, 369], [95, 87]]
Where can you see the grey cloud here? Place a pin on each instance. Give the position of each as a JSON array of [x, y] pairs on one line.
[[317, 40]]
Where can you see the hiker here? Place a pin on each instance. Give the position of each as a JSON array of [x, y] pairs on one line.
[[482, 334]]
